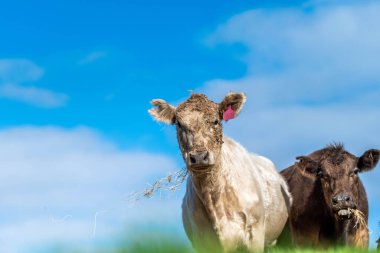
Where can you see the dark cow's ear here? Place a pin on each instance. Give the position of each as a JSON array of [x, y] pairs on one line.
[[368, 160], [162, 111], [231, 105], [309, 165]]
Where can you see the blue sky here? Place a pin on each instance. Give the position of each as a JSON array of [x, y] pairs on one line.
[[150, 44], [76, 79]]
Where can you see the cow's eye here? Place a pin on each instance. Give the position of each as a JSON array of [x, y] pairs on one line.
[[216, 123], [355, 172]]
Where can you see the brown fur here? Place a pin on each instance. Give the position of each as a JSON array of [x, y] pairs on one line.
[[199, 126], [163, 111], [198, 121], [360, 238], [313, 182]]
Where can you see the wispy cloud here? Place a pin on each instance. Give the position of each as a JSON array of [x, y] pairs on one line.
[[33, 95], [19, 70], [92, 57], [329, 53], [64, 178], [312, 79], [15, 73], [319, 68]]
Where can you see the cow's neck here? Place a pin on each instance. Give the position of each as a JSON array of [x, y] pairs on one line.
[[212, 188], [209, 182], [208, 188]]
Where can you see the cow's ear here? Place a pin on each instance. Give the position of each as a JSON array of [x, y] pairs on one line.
[[309, 165], [368, 160], [231, 105], [162, 111]]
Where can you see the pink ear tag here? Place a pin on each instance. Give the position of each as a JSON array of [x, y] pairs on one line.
[[229, 113]]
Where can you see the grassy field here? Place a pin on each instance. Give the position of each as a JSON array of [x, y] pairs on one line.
[[173, 248], [181, 249], [169, 245], [157, 241], [146, 245]]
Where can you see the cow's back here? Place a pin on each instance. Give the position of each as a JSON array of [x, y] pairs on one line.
[[276, 197]]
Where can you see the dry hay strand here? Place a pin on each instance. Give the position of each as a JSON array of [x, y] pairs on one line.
[[170, 183], [359, 218]]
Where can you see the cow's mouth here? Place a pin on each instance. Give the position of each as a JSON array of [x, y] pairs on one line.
[[200, 167], [345, 213]]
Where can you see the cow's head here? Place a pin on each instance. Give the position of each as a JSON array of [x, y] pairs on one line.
[[338, 172], [199, 126]]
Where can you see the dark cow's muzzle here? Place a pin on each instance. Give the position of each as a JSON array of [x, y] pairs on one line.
[[342, 203]]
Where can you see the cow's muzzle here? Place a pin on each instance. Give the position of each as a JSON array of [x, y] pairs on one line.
[[342, 203], [199, 159]]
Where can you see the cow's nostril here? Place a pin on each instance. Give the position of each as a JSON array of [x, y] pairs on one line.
[[347, 198], [335, 200], [192, 159], [205, 157]]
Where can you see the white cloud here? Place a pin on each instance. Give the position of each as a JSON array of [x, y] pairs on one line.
[[33, 95], [323, 53], [92, 57], [19, 70], [312, 79], [55, 180], [14, 72]]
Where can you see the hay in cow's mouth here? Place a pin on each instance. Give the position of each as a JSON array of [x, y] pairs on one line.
[[356, 214], [359, 218]]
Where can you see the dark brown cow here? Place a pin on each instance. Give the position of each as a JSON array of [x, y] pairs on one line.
[[327, 192]]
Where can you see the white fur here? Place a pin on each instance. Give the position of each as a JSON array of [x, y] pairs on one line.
[[243, 202]]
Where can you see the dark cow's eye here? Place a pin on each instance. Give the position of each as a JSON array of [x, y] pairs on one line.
[[355, 172], [216, 122]]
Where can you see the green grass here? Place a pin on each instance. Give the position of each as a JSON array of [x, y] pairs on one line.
[[149, 247], [145, 247], [176, 248], [166, 245], [330, 250]]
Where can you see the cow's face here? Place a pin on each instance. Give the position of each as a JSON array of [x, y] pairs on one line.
[[338, 172], [199, 126]]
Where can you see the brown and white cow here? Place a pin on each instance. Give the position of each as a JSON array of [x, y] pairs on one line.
[[327, 192], [234, 200]]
